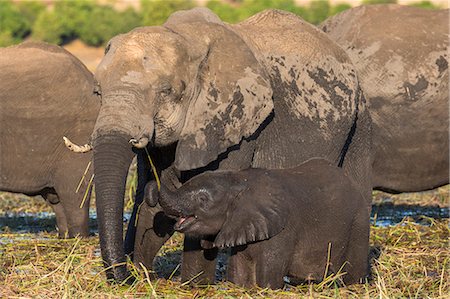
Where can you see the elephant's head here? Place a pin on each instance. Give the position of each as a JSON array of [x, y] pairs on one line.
[[190, 81], [223, 204]]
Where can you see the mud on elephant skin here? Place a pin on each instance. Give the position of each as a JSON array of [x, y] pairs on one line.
[[401, 56], [272, 92], [45, 94], [297, 222]]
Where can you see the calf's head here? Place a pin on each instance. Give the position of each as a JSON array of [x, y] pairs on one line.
[[225, 205]]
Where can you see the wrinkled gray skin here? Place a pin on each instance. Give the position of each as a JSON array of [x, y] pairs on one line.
[[270, 92], [279, 222], [46, 93], [401, 57]]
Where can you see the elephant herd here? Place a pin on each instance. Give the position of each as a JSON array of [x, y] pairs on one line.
[[360, 102]]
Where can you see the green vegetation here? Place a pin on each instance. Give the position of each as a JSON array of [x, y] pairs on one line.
[[15, 24], [95, 23], [92, 23], [379, 1], [156, 12]]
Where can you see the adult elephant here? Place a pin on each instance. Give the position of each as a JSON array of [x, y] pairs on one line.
[[271, 92], [46, 93], [401, 57]]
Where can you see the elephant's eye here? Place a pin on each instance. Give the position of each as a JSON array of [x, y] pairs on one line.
[[107, 48], [97, 90], [202, 196], [166, 91]]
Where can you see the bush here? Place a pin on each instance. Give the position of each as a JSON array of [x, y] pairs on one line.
[[379, 1], [30, 10], [13, 27], [93, 24], [6, 39], [104, 22], [224, 10], [51, 28], [62, 23], [318, 11], [425, 4], [251, 7], [156, 12], [339, 8]]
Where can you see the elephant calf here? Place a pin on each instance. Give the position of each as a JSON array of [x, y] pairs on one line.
[[302, 222], [46, 93]]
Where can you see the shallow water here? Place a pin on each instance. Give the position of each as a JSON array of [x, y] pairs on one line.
[[382, 215], [390, 214]]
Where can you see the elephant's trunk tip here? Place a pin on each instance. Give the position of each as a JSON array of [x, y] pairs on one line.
[[141, 143], [77, 148]]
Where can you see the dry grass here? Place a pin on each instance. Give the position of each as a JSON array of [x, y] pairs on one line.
[[414, 263], [436, 197]]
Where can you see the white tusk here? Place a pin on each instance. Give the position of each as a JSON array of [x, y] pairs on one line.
[[76, 148], [139, 144]]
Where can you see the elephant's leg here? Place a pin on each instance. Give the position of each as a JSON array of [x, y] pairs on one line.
[[154, 228], [66, 178], [76, 211], [270, 274], [143, 176], [358, 267], [198, 265], [241, 269], [61, 220]]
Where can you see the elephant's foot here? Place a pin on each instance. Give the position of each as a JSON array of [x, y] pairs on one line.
[[61, 219], [199, 265], [154, 228], [119, 275]]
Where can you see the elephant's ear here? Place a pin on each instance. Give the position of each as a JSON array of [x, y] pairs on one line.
[[233, 98], [255, 216]]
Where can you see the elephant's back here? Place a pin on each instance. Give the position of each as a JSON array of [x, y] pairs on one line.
[[316, 91], [45, 93], [388, 29], [401, 56], [281, 33], [400, 52], [44, 89], [42, 76]]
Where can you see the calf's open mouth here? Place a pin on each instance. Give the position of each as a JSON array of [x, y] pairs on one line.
[[184, 222]]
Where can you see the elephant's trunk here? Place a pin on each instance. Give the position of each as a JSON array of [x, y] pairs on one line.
[[112, 158], [171, 203]]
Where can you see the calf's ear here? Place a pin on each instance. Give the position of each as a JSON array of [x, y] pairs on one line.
[[255, 215]]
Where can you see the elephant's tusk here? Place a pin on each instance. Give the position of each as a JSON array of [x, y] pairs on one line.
[[139, 144], [77, 148]]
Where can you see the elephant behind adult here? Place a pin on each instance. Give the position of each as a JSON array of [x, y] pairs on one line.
[[46, 93], [270, 92], [401, 56]]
